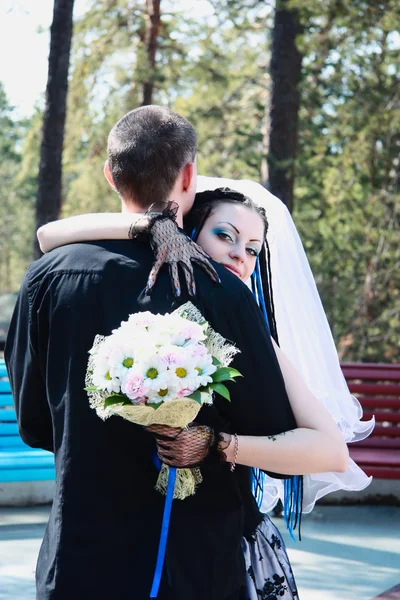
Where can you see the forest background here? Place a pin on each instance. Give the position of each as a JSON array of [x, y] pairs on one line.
[[301, 95]]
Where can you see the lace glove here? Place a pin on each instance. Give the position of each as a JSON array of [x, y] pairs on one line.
[[173, 247], [187, 448]]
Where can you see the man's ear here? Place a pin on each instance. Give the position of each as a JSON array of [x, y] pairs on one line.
[[108, 176], [189, 172]]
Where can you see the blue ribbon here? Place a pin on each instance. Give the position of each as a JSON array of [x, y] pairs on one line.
[[293, 504], [258, 485], [294, 486], [164, 530], [260, 294]]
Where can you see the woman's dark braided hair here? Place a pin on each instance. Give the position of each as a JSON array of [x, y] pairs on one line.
[[204, 204]]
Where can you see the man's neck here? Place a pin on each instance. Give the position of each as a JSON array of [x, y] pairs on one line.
[[132, 208]]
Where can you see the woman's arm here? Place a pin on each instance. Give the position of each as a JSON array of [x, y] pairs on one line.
[[316, 446], [84, 228]]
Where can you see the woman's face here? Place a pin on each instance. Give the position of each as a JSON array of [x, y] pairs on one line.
[[233, 236]]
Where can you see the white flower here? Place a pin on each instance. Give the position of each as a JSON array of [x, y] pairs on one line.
[[155, 373], [103, 379], [183, 372], [121, 360], [186, 332], [205, 369], [135, 328], [163, 395], [142, 319], [202, 363]]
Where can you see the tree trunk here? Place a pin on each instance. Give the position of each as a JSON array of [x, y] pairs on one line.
[[153, 19], [48, 200], [285, 70]]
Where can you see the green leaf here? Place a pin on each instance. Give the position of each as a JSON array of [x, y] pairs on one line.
[[216, 362], [91, 388], [196, 396], [234, 372], [155, 406], [114, 400], [221, 374], [225, 374], [221, 389]]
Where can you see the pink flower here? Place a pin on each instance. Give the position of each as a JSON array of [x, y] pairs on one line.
[[184, 392], [134, 387], [170, 358], [199, 350], [189, 332]]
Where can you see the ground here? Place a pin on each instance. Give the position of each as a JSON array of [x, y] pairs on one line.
[[347, 552]]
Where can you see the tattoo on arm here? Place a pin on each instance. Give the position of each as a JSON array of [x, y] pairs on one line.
[[275, 437]]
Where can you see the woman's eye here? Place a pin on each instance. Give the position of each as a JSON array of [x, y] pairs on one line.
[[224, 236], [253, 252]]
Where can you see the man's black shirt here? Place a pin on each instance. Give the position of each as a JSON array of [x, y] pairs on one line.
[[102, 538]]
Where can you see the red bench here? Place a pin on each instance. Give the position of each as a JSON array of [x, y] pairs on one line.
[[377, 387]]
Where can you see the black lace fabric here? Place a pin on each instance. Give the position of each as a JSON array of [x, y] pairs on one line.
[[269, 575], [184, 448], [158, 211], [171, 246]]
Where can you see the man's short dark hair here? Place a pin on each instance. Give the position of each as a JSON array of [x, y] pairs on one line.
[[147, 149]]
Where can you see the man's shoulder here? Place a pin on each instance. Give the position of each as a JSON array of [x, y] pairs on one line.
[[230, 290], [84, 258]]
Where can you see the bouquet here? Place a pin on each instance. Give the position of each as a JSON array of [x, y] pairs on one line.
[[160, 369]]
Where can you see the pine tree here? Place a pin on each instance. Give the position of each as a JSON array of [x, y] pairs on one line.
[[49, 198]]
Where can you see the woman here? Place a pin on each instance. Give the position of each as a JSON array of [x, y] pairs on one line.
[[232, 230], [301, 324]]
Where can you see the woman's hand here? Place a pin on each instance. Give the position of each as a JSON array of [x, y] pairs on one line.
[[185, 448], [173, 247]]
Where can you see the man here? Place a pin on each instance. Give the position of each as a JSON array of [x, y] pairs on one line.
[[102, 537]]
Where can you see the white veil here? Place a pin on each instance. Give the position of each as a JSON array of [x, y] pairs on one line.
[[306, 339]]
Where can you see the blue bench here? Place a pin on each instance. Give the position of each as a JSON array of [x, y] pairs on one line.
[[18, 462]]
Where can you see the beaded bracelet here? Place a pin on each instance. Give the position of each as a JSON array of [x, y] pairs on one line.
[[235, 452]]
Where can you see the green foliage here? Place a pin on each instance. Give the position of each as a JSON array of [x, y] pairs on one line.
[[16, 201], [221, 389], [214, 70], [347, 200]]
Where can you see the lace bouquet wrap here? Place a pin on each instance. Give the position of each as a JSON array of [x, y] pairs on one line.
[[160, 370]]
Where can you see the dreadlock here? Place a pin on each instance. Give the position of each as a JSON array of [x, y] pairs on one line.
[[261, 281]]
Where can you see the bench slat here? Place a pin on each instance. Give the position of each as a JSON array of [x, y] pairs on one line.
[[8, 414], [28, 451], [381, 472], [376, 457], [389, 431], [11, 442], [390, 416], [6, 400], [371, 442], [366, 366], [8, 429], [9, 475], [4, 386], [372, 374], [379, 402], [26, 462], [378, 389]]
